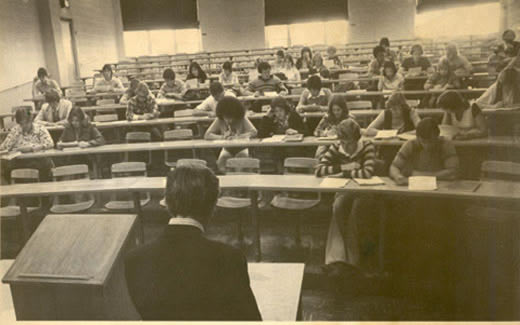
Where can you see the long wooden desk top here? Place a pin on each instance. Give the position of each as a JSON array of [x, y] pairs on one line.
[[496, 141], [460, 189]]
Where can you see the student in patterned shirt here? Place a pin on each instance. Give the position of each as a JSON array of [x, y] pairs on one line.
[[171, 88], [27, 136], [108, 83], [352, 157], [143, 107]]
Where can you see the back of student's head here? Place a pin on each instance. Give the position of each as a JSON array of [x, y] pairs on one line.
[[23, 114], [227, 66], [349, 129], [42, 73], [168, 74], [230, 107], [384, 42], [451, 100], [428, 129], [192, 191], [282, 103], [377, 50], [262, 66], [314, 82], [52, 96], [338, 100], [216, 88], [417, 48]]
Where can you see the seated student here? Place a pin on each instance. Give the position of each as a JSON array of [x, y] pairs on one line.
[[456, 62], [281, 119], [314, 96], [391, 79], [171, 88], [397, 116], [338, 111], [468, 120], [231, 123], [27, 136], [80, 130], [512, 47], [278, 64], [351, 157], [266, 82], [289, 70], [55, 110], [498, 60], [227, 77], [253, 73], [427, 155], [417, 60], [442, 79], [332, 56], [505, 92], [42, 83], [182, 275], [130, 92], [317, 63], [142, 106], [217, 92], [305, 60], [389, 54], [109, 83], [196, 78], [376, 65]]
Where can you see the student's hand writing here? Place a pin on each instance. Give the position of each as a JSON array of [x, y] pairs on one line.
[[402, 180], [291, 131], [350, 166], [83, 144]]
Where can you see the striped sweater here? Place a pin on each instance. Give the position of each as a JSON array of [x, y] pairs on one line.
[[330, 163]]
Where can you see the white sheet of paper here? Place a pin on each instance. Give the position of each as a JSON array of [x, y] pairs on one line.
[[406, 136], [386, 134], [270, 94], [422, 183], [274, 138], [448, 131], [334, 182], [327, 138], [183, 112], [414, 71], [328, 63], [374, 180]]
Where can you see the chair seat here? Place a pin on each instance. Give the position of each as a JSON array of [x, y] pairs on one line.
[[231, 202], [73, 207], [124, 205], [282, 201], [13, 211]]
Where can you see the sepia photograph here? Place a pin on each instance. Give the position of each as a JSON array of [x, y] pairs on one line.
[[260, 160]]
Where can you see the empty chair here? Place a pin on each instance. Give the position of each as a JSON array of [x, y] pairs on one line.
[[296, 202], [172, 135], [106, 101], [125, 201], [105, 118], [360, 104], [76, 202], [18, 176], [137, 137]]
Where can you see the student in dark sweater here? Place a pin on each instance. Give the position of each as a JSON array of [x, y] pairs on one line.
[[80, 130], [281, 119], [351, 157]]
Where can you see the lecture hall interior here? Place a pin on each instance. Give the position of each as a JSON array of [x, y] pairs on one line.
[[260, 160]]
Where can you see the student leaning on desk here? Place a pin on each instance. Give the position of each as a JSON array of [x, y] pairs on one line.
[[172, 87], [79, 131], [209, 105], [27, 136], [144, 107], [315, 97], [55, 111], [109, 83]]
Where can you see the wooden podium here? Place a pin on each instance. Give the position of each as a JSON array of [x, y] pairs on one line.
[[72, 269]]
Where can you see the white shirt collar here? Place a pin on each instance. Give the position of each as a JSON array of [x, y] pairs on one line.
[[185, 221]]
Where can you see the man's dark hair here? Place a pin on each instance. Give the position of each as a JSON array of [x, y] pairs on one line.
[[262, 66], [216, 88], [52, 96], [428, 129], [22, 113], [230, 107], [378, 49], [227, 66], [314, 82], [107, 67], [168, 74], [384, 42], [192, 191], [280, 53], [42, 72]]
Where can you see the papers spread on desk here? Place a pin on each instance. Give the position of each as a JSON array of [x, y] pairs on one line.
[[5, 155], [274, 138], [270, 94], [448, 131], [374, 180], [334, 182], [328, 63], [414, 71], [422, 183], [386, 134], [293, 138], [406, 136], [357, 91], [328, 138]]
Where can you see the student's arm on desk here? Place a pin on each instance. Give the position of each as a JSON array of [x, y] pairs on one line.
[[213, 132], [375, 126], [479, 131]]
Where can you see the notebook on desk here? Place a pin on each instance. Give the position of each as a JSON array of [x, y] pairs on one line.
[[293, 138], [386, 134], [374, 180]]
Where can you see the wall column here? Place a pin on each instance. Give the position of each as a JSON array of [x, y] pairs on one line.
[[510, 15]]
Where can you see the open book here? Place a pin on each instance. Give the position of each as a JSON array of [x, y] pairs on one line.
[[422, 183], [374, 180], [386, 134], [270, 94], [274, 138], [334, 182], [293, 138]]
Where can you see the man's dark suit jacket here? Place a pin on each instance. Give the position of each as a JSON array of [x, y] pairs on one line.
[[184, 276]]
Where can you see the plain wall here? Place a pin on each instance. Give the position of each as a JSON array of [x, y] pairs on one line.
[[231, 24], [369, 20], [510, 15]]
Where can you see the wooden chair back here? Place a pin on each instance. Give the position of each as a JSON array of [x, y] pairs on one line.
[[105, 118], [242, 166], [71, 172], [137, 137], [359, 104]]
